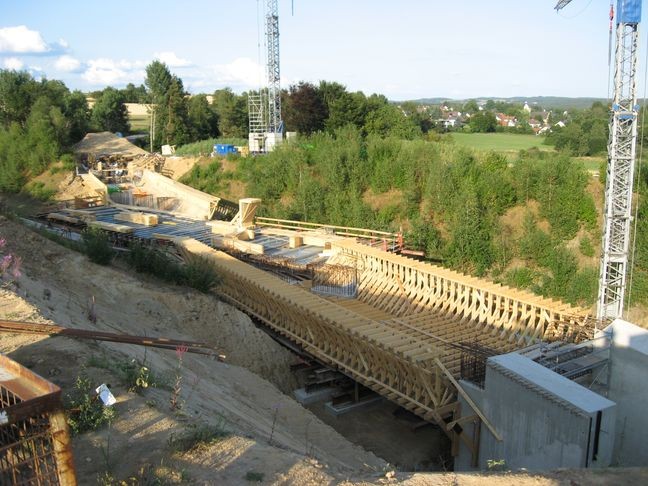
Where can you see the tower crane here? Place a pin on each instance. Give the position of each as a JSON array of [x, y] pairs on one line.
[[622, 150], [264, 108]]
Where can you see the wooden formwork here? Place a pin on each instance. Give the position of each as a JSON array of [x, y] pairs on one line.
[[402, 287], [392, 361], [406, 333]]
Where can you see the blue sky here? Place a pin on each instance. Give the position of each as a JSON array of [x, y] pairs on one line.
[[404, 49]]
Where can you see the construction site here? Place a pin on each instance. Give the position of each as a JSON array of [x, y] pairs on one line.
[[324, 354], [464, 371]]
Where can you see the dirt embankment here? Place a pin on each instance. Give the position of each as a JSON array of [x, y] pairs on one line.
[[58, 285], [270, 435]]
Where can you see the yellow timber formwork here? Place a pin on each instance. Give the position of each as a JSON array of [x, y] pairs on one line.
[[397, 363], [404, 335], [404, 287]]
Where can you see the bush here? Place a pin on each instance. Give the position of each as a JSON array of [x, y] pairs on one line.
[[97, 246], [154, 262], [206, 147], [39, 191], [200, 275], [254, 477], [86, 411], [520, 277], [197, 436], [583, 286], [586, 247]]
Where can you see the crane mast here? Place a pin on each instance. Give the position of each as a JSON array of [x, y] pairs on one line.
[[264, 107], [274, 76], [622, 150]]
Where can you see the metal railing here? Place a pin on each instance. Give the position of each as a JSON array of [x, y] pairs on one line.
[[379, 239]]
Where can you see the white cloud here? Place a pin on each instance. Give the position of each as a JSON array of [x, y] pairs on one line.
[[67, 64], [109, 72], [240, 73], [21, 40], [13, 63], [171, 59]]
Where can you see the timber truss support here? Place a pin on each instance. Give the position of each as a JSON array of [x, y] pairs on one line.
[[412, 354]]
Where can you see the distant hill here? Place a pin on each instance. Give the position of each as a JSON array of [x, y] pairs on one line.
[[548, 102]]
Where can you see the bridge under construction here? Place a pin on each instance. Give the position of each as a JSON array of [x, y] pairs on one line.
[[406, 329]]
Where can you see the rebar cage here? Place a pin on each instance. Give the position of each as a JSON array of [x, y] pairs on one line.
[[34, 438]]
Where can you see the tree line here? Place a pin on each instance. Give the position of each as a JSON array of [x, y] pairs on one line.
[[451, 201], [39, 120]]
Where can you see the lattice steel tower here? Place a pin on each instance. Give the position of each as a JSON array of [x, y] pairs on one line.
[[274, 75], [622, 150], [264, 107]]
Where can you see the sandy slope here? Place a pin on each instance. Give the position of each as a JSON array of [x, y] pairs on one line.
[[270, 433], [58, 284]]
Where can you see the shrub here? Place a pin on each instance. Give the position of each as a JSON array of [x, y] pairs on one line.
[[586, 247], [196, 436], [200, 275], [583, 286], [254, 477], [149, 260], [97, 246], [39, 191], [520, 277], [86, 412]]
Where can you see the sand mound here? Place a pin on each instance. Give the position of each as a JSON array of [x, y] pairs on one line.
[[106, 143]]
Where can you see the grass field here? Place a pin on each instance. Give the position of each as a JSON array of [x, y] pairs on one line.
[[592, 163], [139, 123], [500, 142]]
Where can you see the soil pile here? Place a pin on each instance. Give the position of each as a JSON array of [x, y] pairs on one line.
[[106, 143]]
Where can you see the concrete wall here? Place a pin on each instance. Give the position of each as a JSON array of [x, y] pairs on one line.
[[192, 203], [546, 420], [628, 387]]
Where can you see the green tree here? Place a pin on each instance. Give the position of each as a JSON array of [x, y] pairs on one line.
[[18, 91], [389, 120], [167, 93], [471, 107], [418, 114], [483, 121], [173, 116], [135, 94], [232, 113], [158, 81], [304, 109], [78, 115], [109, 112], [470, 248], [202, 119]]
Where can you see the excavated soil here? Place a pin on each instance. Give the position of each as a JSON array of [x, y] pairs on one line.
[[107, 143], [269, 434]]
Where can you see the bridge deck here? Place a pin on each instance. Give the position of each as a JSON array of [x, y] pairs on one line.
[[395, 356]]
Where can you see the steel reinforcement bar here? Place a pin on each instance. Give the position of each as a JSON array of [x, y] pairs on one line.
[[402, 286]]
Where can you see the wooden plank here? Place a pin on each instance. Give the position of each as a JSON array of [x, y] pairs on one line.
[[466, 397], [64, 218], [116, 228], [82, 214], [145, 219]]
